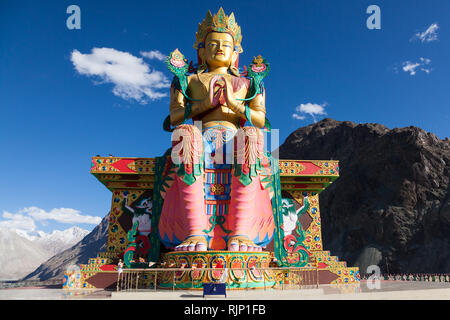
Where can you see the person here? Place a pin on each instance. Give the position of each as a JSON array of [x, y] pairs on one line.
[[213, 202], [224, 277], [120, 266]]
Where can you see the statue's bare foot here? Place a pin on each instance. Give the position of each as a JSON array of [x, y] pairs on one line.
[[194, 243], [242, 243]]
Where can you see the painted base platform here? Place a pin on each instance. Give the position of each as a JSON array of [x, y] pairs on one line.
[[101, 272], [233, 276]]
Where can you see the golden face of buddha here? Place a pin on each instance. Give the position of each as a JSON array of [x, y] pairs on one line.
[[219, 50]]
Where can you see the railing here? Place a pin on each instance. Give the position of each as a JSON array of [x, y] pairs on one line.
[[284, 278], [427, 277]]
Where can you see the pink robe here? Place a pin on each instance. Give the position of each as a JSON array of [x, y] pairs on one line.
[[249, 209]]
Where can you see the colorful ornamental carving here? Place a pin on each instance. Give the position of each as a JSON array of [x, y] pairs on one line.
[[318, 173], [239, 271], [220, 22]]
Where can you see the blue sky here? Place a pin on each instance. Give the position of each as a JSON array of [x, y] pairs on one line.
[[61, 104]]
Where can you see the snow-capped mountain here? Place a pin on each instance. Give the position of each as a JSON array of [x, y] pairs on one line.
[[58, 241], [18, 255], [29, 250], [30, 235], [87, 248]]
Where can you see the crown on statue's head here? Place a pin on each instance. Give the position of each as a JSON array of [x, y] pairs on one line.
[[220, 22]]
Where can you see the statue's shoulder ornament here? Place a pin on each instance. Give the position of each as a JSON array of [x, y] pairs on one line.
[[178, 65], [256, 72], [258, 69]]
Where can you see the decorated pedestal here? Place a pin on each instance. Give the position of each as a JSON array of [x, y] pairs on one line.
[[131, 181], [238, 270]]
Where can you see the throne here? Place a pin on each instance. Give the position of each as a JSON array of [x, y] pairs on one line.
[[133, 180]]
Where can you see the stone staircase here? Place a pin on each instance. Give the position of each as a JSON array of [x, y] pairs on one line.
[[99, 272], [332, 270]]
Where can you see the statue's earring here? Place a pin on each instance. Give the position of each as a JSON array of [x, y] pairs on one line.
[[203, 66], [234, 71]]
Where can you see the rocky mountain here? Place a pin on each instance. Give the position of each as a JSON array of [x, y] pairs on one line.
[[79, 253], [391, 204]]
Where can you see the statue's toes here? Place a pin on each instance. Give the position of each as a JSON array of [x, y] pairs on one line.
[[234, 246], [181, 247], [256, 248], [243, 247], [252, 248], [201, 246], [191, 247]]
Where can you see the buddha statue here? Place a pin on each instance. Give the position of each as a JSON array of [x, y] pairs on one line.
[[217, 199]]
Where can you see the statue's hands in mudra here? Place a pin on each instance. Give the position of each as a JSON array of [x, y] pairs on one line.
[[221, 94], [207, 103], [238, 107]]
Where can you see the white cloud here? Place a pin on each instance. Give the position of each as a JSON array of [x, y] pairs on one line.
[[25, 218], [312, 109], [297, 116], [132, 77], [63, 215], [17, 221], [428, 35], [412, 67], [154, 54]]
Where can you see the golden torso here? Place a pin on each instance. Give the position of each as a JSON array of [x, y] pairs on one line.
[[226, 108], [198, 88]]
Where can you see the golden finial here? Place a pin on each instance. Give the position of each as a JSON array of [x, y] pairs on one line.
[[258, 60], [220, 22]]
